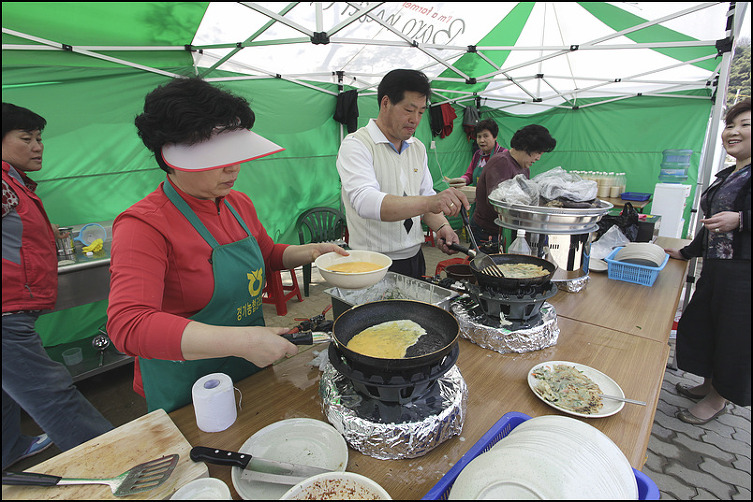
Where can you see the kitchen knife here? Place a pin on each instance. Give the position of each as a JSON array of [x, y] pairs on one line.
[[255, 468]]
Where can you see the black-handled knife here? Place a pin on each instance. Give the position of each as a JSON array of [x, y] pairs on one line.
[[255, 468]]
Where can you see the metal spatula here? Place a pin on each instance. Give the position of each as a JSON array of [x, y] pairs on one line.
[[140, 478], [481, 261]]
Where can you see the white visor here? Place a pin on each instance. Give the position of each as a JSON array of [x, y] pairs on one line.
[[223, 149]]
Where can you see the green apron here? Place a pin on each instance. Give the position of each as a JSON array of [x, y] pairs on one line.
[[238, 270]]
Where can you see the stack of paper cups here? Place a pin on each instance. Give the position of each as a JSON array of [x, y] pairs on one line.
[[214, 402]]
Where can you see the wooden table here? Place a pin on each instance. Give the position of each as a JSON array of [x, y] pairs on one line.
[[631, 308], [496, 384], [634, 358]]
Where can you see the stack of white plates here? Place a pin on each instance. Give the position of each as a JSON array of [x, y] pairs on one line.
[[549, 457], [641, 253]]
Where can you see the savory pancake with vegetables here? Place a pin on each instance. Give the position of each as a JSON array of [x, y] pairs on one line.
[[354, 267], [388, 340], [568, 388], [521, 270]]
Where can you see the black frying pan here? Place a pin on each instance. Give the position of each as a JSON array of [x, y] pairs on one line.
[[488, 280], [441, 327]]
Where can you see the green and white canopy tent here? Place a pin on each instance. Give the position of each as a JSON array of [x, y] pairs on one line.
[[615, 83]]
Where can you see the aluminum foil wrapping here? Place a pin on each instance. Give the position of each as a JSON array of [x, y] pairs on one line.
[[502, 340], [393, 431], [573, 285]]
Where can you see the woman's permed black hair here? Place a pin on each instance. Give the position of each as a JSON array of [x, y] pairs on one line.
[[16, 117], [488, 125], [533, 138], [188, 111]]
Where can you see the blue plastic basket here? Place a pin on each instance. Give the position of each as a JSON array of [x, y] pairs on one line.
[[630, 272], [647, 489]]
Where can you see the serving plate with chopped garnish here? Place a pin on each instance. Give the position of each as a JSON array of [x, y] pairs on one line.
[[574, 389]]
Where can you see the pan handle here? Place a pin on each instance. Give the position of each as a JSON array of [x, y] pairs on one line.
[[307, 337], [462, 249]]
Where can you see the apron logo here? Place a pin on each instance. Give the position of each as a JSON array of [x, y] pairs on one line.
[[255, 282]]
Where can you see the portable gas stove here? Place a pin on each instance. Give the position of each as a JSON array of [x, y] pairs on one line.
[[506, 321], [393, 414]]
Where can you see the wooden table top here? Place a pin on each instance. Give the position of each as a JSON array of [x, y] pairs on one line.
[[631, 308], [619, 203], [496, 385]]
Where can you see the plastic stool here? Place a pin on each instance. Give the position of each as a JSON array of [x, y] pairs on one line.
[[452, 261], [277, 294], [429, 238]]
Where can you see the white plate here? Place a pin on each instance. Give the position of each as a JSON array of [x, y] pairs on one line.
[[606, 384], [597, 266], [297, 440]]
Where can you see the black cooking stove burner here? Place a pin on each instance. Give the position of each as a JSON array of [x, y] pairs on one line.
[[521, 307], [395, 388]]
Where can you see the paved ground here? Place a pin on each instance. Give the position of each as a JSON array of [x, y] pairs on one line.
[[710, 462], [700, 462]]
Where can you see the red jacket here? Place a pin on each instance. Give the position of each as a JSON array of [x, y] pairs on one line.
[[30, 267]]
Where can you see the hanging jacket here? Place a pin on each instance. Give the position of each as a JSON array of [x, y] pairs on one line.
[[441, 118], [346, 110], [30, 272], [470, 121]]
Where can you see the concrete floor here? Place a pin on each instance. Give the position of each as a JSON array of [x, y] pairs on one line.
[[686, 462]]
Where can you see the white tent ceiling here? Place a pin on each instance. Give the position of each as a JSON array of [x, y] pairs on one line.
[[368, 39]]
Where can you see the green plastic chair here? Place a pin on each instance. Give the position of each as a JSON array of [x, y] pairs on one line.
[[320, 224]]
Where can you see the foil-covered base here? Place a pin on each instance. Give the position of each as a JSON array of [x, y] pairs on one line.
[[502, 340], [389, 431], [573, 285]]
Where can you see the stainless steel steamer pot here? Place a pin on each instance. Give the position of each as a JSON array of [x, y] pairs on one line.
[[549, 220], [560, 235]]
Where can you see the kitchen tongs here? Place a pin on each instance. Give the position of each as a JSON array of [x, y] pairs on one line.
[[482, 261]]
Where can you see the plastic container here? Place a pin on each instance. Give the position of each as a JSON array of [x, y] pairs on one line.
[[636, 196], [203, 489], [630, 272], [673, 175], [520, 245], [73, 356], [647, 489], [677, 156], [90, 233]]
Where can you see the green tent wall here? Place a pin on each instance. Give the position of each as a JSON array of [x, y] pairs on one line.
[[96, 167]]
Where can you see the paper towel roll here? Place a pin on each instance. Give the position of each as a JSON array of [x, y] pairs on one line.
[[214, 402]]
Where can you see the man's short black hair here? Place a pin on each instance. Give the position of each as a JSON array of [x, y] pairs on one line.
[[396, 82], [533, 138], [488, 125], [188, 111], [16, 117]]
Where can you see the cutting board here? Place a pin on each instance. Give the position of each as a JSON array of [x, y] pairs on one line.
[[146, 438]]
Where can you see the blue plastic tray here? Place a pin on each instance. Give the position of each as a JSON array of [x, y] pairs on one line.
[[647, 489], [636, 196]]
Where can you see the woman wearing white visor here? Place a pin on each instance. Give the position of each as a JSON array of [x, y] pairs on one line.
[[188, 260]]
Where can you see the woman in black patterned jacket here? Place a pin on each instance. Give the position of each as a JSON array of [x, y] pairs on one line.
[[713, 335]]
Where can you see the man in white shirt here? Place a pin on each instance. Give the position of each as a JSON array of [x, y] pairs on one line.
[[387, 188]]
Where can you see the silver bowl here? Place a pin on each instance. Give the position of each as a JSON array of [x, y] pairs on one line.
[[549, 220]]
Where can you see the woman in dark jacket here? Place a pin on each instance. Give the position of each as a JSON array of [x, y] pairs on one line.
[[713, 335]]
